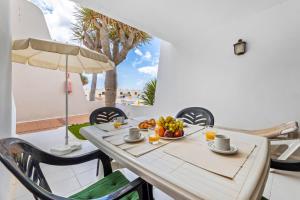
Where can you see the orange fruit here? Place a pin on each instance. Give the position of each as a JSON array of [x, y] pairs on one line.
[[178, 133], [160, 131]]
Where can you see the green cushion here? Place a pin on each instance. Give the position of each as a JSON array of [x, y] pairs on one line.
[[105, 186], [74, 129]]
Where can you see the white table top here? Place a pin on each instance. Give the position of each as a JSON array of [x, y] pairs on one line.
[[182, 180]]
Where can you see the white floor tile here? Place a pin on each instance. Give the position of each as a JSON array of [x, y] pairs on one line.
[[20, 190], [65, 187], [87, 178], [87, 166], [160, 195], [60, 174], [51, 169], [285, 186], [27, 196], [268, 187]]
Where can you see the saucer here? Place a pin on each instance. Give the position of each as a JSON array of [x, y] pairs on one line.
[[127, 139], [233, 149]]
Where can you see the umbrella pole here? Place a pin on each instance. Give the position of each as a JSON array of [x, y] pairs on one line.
[[68, 147], [67, 104]]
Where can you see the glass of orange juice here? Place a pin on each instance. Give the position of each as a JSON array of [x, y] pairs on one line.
[[153, 138], [210, 134]]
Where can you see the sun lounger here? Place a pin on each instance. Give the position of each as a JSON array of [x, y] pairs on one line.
[[286, 134]]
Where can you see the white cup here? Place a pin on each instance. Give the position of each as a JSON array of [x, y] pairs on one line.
[[134, 133], [222, 142]]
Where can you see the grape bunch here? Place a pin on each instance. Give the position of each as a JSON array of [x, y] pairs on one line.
[[170, 123]]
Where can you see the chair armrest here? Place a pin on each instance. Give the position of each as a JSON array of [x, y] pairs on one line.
[[47, 158], [58, 160], [138, 184], [287, 165], [97, 154]]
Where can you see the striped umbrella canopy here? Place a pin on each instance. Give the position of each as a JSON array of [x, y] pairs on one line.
[[59, 56], [52, 55]]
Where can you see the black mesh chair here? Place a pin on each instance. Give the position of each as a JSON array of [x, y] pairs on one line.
[[23, 161], [106, 114], [196, 116]]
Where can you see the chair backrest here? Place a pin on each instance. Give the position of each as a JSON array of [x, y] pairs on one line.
[[286, 165], [23, 160], [106, 114], [196, 116]]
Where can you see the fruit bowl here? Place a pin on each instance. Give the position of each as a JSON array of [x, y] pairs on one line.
[[172, 138], [169, 128]]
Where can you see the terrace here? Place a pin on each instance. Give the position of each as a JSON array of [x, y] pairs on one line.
[[246, 94]]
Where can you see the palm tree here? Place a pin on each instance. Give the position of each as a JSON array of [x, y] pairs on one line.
[[149, 92], [110, 37]]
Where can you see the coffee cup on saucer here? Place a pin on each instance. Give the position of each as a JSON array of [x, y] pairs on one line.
[[222, 142], [134, 133]]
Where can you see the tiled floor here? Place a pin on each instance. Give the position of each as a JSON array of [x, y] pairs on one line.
[[65, 181]]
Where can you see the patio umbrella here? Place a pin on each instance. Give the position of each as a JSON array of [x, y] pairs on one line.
[[59, 56]]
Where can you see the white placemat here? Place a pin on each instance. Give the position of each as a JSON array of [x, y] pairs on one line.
[[196, 152], [109, 127], [143, 147]]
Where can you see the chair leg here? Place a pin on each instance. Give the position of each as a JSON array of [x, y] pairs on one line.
[[106, 165], [144, 192], [150, 191], [98, 164]]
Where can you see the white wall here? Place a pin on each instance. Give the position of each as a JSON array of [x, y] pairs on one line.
[[198, 67], [256, 90], [39, 93], [5, 91], [5, 72]]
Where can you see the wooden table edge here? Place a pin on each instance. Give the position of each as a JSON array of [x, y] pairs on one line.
[[255, 183]]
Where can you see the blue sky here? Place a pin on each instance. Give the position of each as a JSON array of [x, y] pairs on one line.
[[140, 65]]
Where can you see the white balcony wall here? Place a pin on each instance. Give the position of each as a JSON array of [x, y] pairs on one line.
[[5, 72], [198, 66], [6, 115], [255, 90], [39, 93]]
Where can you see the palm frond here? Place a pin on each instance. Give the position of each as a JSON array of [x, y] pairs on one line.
[[149, 92], [77, 29], [85, 18]]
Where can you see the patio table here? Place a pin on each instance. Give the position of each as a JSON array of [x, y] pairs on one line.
[[183, 180]]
